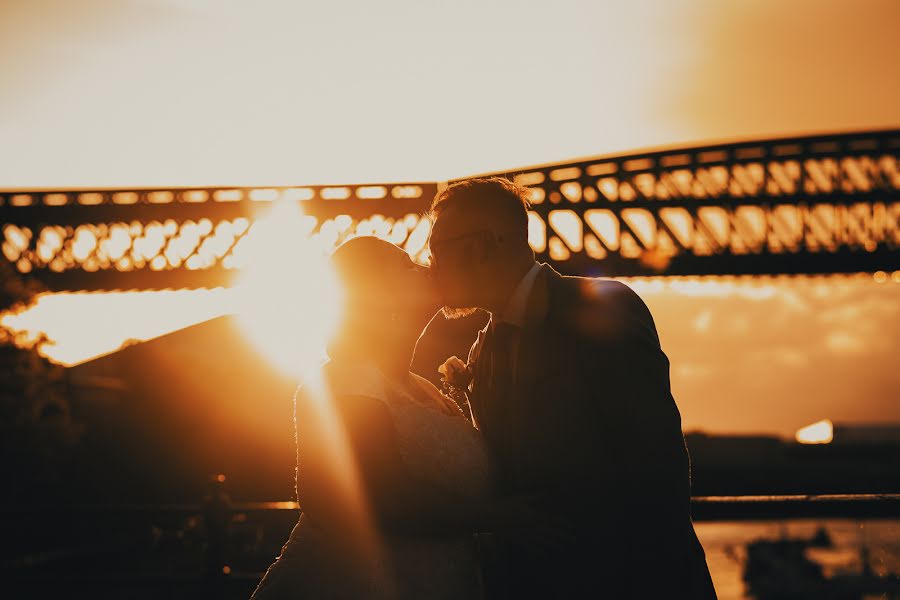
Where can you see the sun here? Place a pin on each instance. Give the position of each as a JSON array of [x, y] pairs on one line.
[[820, 432], [287, 297]]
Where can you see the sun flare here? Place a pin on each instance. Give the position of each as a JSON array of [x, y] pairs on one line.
[[286, 296]]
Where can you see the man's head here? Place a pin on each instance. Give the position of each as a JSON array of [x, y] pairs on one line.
[[479, 243]]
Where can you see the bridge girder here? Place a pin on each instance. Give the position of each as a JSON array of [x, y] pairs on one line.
[[822, 204]]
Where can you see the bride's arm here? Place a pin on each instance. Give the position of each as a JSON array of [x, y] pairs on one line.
[[395, 499]]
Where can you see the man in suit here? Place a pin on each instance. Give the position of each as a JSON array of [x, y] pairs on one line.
[[571, 391]]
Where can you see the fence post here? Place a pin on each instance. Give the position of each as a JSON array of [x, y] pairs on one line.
[[217, 514]]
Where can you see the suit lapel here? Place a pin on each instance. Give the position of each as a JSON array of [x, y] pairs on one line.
[[529, 363], [486, 410]]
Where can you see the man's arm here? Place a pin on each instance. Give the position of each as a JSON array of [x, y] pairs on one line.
[[644, 425], [626, 374]]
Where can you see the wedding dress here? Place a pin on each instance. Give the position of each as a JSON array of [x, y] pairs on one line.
[[439, 448]]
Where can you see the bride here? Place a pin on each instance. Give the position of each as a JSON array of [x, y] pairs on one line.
[[393, 481]]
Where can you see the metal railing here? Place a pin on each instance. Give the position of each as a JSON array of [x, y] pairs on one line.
[[220, 574]]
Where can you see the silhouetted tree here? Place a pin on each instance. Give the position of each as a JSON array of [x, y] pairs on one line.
[[37, 431]]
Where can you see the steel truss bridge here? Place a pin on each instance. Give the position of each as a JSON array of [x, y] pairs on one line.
[[806, 205]]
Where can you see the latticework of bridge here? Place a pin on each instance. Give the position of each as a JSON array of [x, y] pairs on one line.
[[823, 204]]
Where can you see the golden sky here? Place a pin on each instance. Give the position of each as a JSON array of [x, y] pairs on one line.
[[169, 92], [773, 354]]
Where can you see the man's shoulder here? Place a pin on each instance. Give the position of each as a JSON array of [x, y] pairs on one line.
[[596, 292], [600, 308]]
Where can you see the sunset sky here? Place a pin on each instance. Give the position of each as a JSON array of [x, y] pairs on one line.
[[774, 354], [167, 92], [220, 92]]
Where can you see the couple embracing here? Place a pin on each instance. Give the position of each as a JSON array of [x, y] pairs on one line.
[[556, 468]]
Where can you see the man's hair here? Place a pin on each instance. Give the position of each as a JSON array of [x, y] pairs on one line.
[[494, 196]]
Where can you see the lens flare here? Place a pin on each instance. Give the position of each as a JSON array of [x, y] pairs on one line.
[[287, 296]]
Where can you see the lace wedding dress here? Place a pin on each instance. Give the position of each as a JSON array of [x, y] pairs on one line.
[[440, 448]]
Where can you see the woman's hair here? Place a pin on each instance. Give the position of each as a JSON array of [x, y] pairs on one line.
[[367, 296]]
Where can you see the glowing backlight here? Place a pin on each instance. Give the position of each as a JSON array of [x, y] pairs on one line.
[[820, 432], [71, 328], [287, 297]]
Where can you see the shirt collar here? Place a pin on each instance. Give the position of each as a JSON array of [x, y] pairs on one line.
[[517, 306]]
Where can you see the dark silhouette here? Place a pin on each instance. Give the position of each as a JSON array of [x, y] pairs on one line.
[[571, 392], [393, 481]]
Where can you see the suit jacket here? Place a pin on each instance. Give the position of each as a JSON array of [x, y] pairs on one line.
[[591, 427]]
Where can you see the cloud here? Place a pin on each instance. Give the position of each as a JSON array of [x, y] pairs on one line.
[[812, 347], [842, 342], [703, 321], [692, 371], [790, 357]]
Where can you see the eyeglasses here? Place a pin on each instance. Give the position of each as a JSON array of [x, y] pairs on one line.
[[440, 246]]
